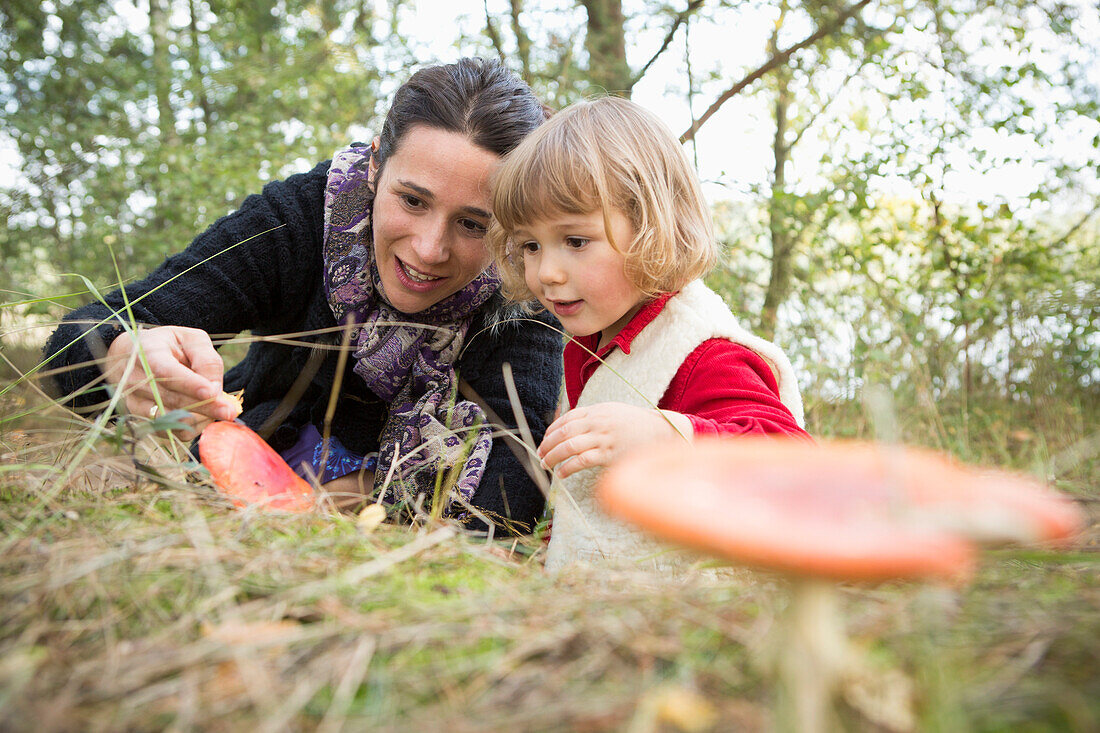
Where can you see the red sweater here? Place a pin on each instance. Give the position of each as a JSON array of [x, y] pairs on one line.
[[722, 387]]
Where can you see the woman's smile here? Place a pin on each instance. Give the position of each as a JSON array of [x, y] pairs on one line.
[[413, 278]]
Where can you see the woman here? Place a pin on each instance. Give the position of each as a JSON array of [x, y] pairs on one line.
[[388, 240]]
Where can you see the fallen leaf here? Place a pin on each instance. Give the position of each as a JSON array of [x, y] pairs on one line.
[[685, 709], [234, 400], [252, 633], [883, 696]]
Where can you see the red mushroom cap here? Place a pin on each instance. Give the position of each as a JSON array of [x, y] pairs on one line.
[[249, 470], [841, 510]]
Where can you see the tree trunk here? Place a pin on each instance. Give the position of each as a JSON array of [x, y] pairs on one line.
[[198, 85], [162, 71], [1010, 348], [166, 120], [523, 41], [778, 220], [605, 43]]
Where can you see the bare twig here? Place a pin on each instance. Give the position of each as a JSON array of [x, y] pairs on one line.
[[520, 449], [678, 21], [313, 363], [334, 393], [777, 60], [1073, 229], [524, 428]]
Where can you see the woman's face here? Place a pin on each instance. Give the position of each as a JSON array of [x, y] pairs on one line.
[[431, 210]]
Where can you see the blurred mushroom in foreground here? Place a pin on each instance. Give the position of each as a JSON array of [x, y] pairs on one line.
[[824, 513]]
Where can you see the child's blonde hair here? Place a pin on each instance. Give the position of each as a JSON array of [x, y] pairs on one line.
[[606, 154]]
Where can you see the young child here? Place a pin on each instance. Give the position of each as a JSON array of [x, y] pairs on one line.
[[600, 217]]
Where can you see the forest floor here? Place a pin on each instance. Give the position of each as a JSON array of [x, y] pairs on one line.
[[134, 597]]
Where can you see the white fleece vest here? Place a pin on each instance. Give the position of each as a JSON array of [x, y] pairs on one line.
[[582, 532]]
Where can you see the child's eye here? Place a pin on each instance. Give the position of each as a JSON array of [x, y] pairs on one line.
[[576, 242], [530, 247], [473, 228]]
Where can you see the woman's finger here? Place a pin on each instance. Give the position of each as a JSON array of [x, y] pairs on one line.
[[196, 425], [171, 351], [167, 400], [199, 353], [193, 421], [185, 366]]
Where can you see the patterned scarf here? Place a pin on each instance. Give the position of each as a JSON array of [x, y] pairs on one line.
[[407, 359]]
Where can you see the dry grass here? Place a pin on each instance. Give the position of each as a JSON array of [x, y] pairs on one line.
[[142, 608], [129, 602]]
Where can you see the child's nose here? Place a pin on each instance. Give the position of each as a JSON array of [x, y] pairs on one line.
[[550, 270]]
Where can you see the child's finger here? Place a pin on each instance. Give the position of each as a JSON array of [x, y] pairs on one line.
[[555, 434], [552, 437], [575, 422], [581, 461], [570, 448]]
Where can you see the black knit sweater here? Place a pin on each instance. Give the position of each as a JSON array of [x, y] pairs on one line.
[[261, 270]]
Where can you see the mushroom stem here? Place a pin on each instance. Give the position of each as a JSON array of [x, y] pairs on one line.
[[812, 652]]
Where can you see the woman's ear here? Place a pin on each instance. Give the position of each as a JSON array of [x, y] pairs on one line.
[[372, 170]]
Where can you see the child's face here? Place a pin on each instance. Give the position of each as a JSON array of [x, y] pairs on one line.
[[571, 267]]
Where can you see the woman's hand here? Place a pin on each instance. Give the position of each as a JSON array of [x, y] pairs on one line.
[[598, 434], [186, 368]]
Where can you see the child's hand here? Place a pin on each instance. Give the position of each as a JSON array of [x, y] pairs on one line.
[[598, 434]]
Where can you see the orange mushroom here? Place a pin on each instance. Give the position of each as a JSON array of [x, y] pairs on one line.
[[249, 470], [826, 512], [839, 510]]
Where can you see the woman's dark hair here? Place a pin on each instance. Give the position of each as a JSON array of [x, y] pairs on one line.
[[479, 98]]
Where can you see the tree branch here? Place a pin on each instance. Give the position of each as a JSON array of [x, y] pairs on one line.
[[821, 110], [678, 21], [1073, 230], [777, 60]]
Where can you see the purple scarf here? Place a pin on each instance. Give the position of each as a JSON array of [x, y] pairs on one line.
[[407, 359]]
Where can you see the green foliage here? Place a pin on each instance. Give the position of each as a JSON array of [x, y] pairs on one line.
[[251, 91], [978, 315], [882, 262]]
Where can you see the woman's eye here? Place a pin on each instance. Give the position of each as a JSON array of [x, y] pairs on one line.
[[473, 228], [576, 242], [411, 201]]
